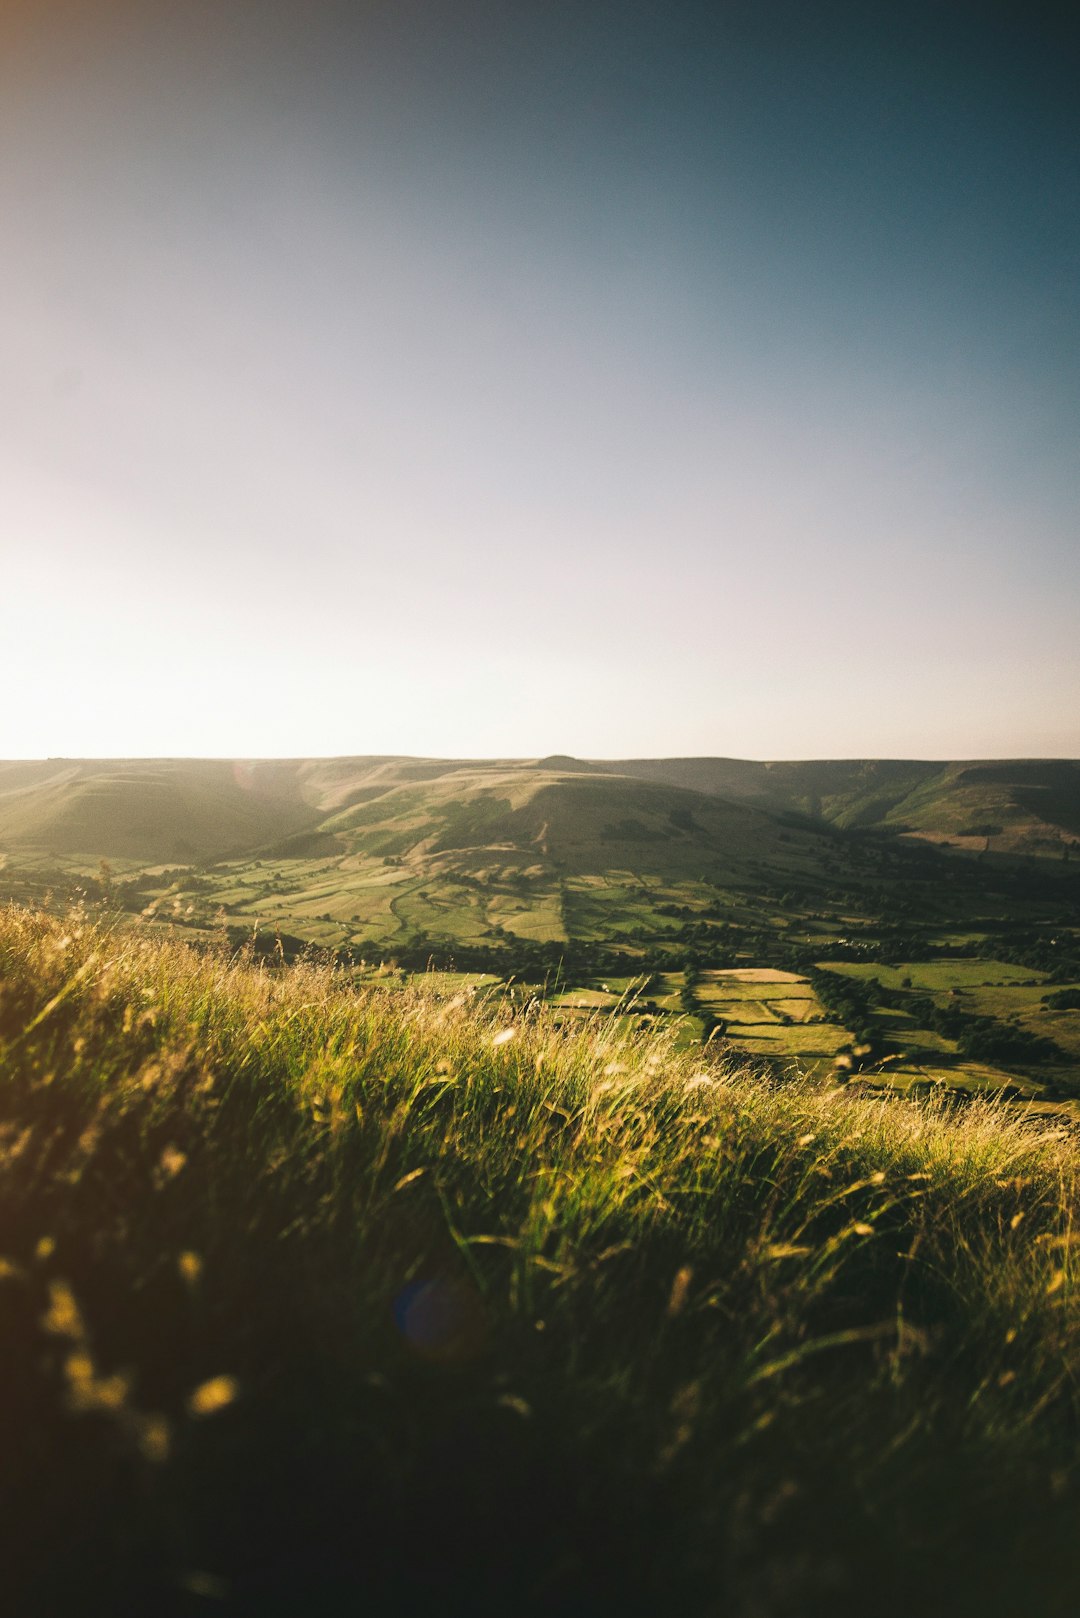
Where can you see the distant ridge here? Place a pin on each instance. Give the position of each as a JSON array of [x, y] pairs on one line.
[[190, 809], [1022, 805]]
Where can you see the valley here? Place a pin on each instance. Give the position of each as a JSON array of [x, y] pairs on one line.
[[900, 926]]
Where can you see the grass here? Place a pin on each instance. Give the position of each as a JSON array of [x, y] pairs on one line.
[[938, 977], [320, 1299]]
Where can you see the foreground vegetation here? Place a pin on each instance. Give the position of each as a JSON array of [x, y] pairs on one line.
[[317, 1298]]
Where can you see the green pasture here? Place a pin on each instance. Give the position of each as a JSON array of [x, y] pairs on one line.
[[901, 1028], [1063, 1027], [584, 1000], [801, 1009], [973, 1077], [713, 993], [453, 983], [1021, 1002], [801, 1044], [937, 977], [535, 917], [624, 986], [666, 990], [983, 988]]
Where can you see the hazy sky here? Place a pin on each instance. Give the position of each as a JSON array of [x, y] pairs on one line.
[[494, 377]]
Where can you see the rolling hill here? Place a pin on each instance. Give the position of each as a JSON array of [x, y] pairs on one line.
[[1022, 805], [176, 810], [194, 811], [391, 852], [181, 810], [546, 813], [614, 873], [383, 851]]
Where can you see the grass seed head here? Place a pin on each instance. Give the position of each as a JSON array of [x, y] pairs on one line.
[[218, 1393]]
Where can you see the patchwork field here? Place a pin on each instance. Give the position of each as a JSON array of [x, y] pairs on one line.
[[716, 916], [1013, 999]]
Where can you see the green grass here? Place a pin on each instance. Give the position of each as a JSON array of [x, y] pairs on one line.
[[320, 1298], [971, 1078], [938, 977], [586, 999]]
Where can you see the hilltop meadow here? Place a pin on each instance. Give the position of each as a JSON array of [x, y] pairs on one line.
[[326, 1293]]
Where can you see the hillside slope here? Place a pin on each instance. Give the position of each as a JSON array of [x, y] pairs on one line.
[[575, 819], [1024, 805], [185, 810], [177, 810], [168, 810], [322, 1301]]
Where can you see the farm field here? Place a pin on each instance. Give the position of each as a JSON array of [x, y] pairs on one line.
[[1011, 997], [363, 908], [936, 965]]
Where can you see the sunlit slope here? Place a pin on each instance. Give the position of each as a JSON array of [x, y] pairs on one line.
[[534, 852], [372, 851], [1031, 805], [660, 813], [582, 822], [146, 810], [161, 810]]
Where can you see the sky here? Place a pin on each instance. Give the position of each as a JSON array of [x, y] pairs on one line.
[[480, 378]]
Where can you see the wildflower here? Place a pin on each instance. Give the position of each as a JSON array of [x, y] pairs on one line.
[[153, 1438]]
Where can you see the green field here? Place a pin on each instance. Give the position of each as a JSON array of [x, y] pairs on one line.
[[569, 876], [941, 976], [1013, 998]]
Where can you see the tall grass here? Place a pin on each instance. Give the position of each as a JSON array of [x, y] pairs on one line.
[[317, 1299]]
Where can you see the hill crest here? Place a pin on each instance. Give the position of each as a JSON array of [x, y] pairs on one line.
[[191, 809]]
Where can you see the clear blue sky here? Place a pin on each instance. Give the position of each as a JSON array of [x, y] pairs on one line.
[[501, 378]]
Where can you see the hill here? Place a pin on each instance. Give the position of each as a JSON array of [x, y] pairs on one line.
[[323, 1299], [176, 810], [153, 810], [904, 965], [449, 848], [1021, 806], [579, 820]]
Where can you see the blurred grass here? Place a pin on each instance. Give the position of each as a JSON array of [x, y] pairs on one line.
[[317, 1299]]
